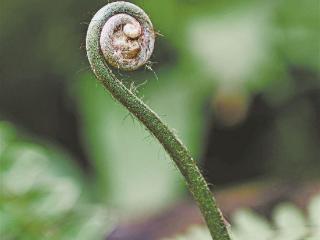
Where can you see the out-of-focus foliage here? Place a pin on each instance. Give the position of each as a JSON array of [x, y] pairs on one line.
[[297, 24], [224, 33], [41, 195], [288, 222]]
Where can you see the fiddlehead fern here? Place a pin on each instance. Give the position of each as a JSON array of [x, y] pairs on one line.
[[122, 35]]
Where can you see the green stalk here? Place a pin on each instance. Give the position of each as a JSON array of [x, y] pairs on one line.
[[171, 143]]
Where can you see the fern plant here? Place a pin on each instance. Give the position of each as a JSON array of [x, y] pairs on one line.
[[121, 35]]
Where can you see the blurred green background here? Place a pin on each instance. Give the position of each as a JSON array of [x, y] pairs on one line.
[[238, 80]]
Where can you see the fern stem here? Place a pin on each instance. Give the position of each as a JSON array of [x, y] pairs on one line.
[[171, 143]]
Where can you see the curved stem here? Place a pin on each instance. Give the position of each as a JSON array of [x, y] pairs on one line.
[[171, 143]]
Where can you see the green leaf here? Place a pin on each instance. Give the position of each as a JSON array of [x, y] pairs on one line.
[[249, 225], [290, 222]]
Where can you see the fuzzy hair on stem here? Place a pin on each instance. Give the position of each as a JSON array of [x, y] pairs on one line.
[[129, 38]]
